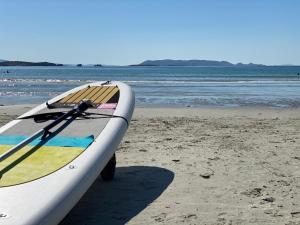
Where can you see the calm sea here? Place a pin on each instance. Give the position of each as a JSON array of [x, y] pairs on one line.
[[274, 86]]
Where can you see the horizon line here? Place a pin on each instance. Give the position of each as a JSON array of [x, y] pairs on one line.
[[136, 64]]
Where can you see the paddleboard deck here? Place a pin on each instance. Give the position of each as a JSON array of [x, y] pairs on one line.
[[68, 159]]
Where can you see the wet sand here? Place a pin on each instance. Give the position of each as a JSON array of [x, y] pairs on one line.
[[198, 166]]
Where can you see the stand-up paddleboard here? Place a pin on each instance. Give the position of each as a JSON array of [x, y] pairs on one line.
[[51, 155]]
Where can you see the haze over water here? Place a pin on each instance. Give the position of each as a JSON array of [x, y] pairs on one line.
[[272, 86]]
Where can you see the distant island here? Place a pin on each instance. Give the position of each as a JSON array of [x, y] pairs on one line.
[[171, 62], [22, 63]]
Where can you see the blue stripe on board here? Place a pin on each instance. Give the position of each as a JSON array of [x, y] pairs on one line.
[[83, 142]]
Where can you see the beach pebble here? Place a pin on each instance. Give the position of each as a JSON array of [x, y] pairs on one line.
[[255, 192], [190, 216], [269, 199], [295, 214], [206, 173], [268, 211]]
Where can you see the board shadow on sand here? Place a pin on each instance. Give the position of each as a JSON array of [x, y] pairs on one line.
[[116, 202]]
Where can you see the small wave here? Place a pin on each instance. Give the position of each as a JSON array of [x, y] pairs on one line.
[[16, 93], [12, 80], [205, 81], [254, 82]]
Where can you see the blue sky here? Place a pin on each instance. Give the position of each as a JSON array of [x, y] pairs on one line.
[[121, 32]]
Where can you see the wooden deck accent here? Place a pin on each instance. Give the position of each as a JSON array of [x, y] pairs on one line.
[[108, 96], [72, 97], [83, 96], [97, 94]]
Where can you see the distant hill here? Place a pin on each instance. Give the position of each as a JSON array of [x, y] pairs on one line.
[[170, 62], [22, 63]]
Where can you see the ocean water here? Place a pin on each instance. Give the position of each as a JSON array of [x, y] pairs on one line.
[[274, 86]]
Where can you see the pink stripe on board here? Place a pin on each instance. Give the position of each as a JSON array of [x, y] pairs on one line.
[[108, 106]]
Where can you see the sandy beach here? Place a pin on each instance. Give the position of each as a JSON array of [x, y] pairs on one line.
[[198, 166]]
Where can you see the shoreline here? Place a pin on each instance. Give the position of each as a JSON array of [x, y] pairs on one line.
[[176, 110], [198, 166]]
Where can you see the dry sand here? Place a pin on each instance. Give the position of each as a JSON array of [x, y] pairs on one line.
[[199, 166]]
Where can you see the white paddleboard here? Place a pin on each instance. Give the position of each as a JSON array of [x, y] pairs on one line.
[[43, 179]]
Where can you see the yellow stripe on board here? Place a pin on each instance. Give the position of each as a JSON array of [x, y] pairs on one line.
[[109, 96], [32, 162]]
